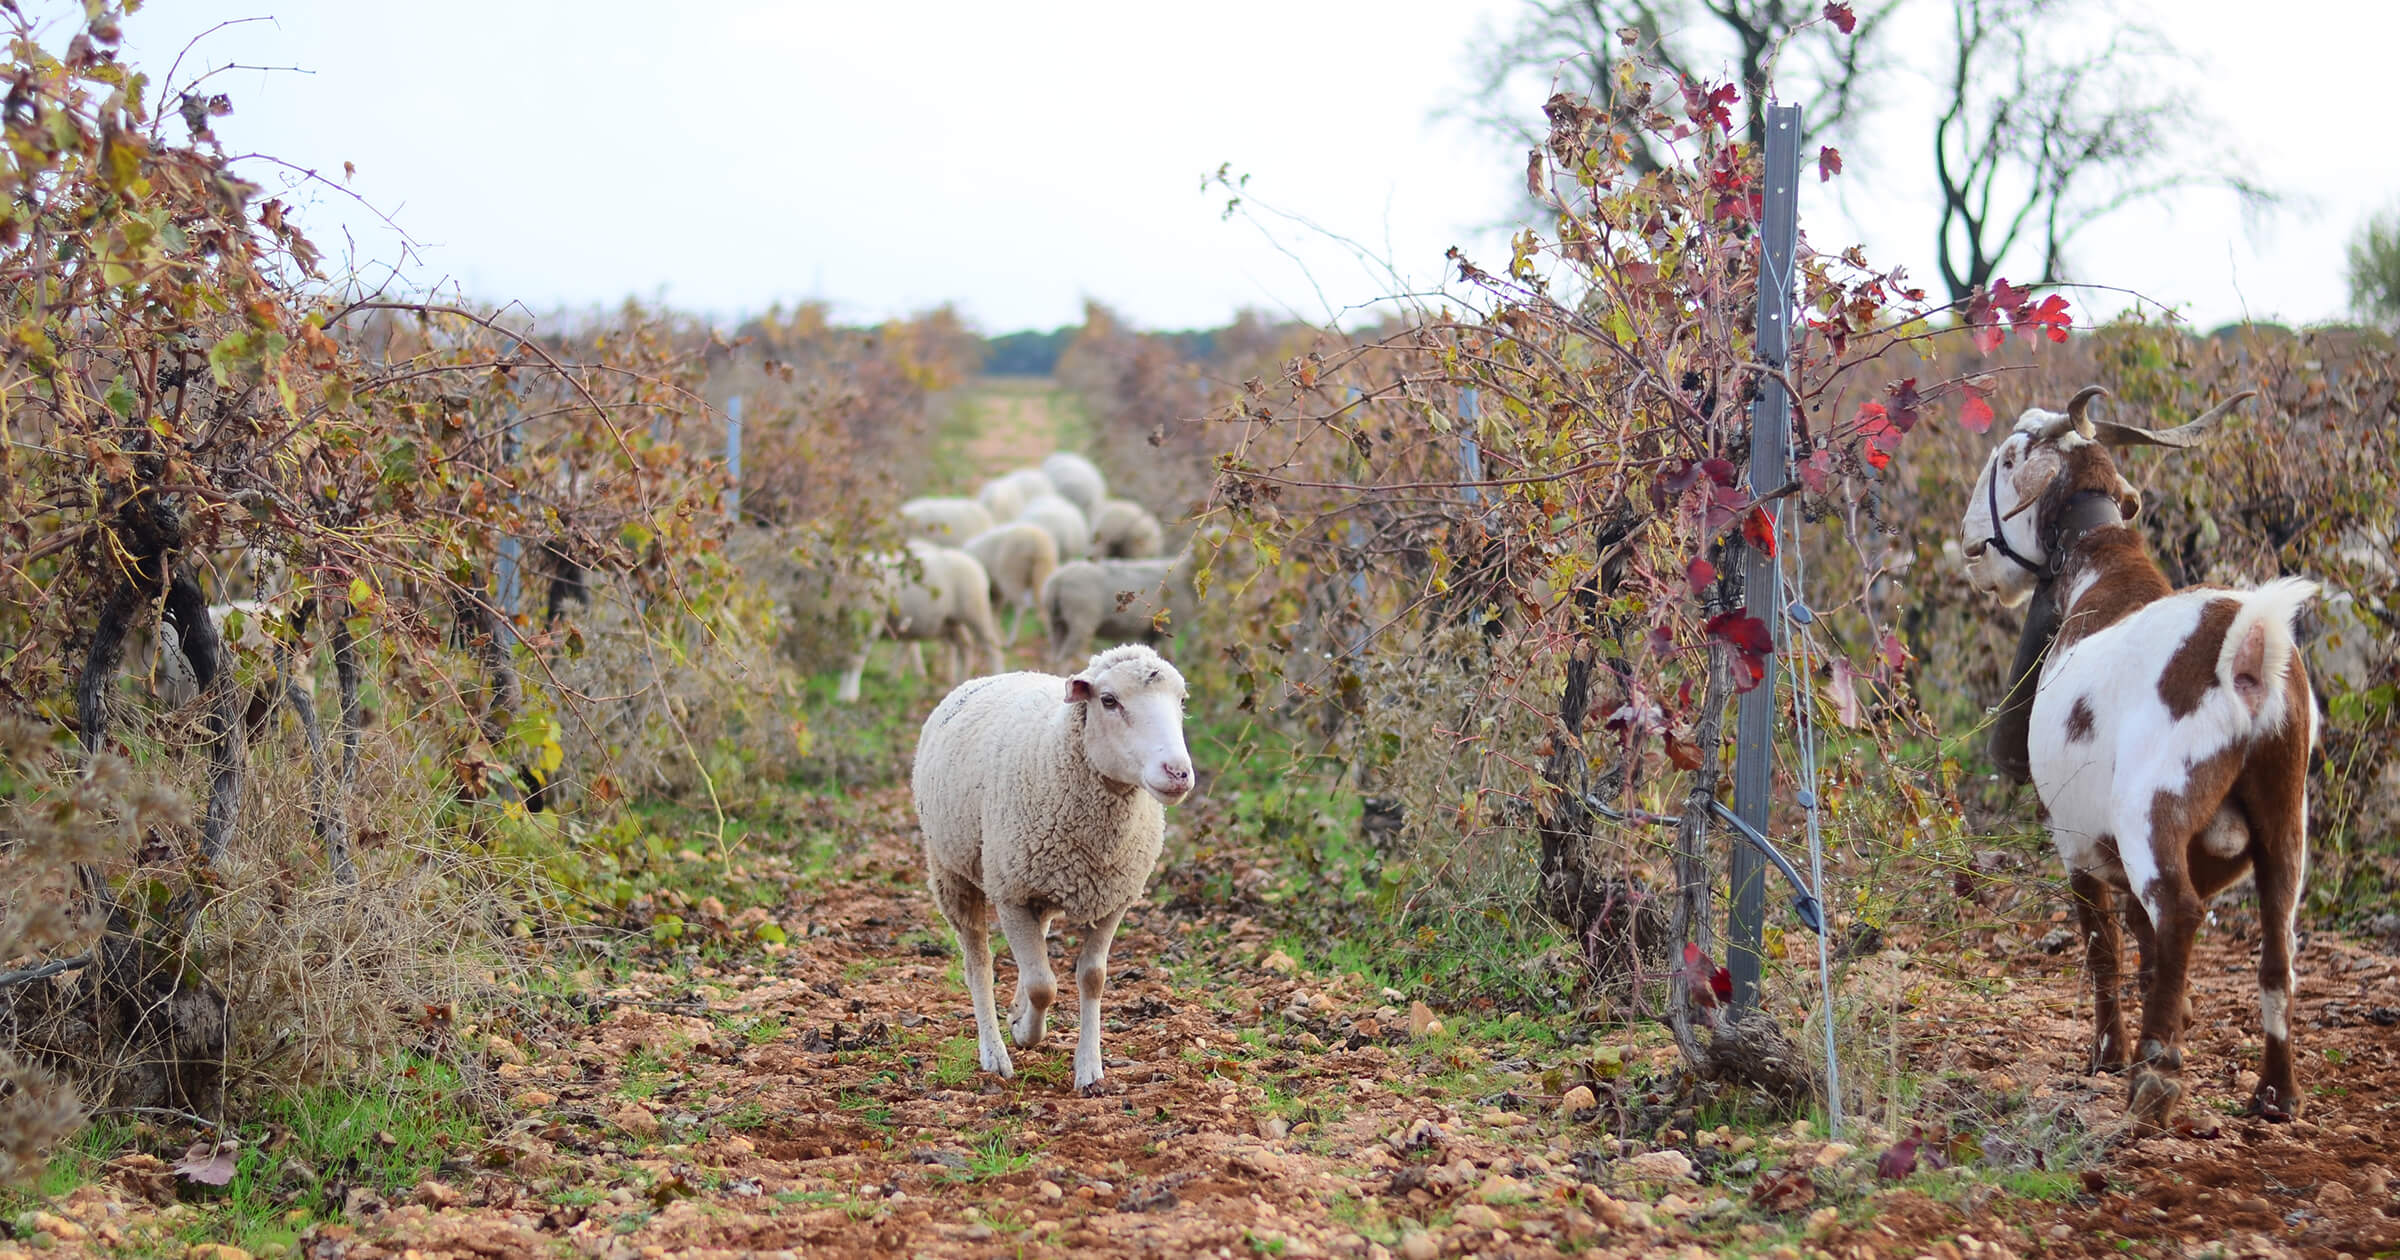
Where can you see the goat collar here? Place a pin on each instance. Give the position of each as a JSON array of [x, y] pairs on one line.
[[2084, 511]]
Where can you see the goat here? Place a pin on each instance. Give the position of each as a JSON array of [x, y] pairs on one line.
[[2168, 734]]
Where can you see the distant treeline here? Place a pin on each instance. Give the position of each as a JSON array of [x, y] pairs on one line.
[[1037, 353]]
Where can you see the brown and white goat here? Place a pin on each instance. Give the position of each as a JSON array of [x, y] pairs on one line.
[[2168, 739]]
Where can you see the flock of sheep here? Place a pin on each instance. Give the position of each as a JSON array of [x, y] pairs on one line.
[[1046, 540]]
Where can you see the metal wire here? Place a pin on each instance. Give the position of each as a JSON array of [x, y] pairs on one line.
[[1797, 637]]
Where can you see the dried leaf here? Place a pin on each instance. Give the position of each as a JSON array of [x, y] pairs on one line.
[[209, 1163]]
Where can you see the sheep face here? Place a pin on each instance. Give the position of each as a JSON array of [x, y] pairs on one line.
[[1133, 721], [2001, 509]]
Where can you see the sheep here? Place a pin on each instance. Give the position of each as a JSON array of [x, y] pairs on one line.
[[945, 521], [1007, 494], [1002, 497], [2168, 734], [1117, 599], [1124, 530], [1019, 557], [949, 598], [1077, 479], [1064, 520], [1044, 798]]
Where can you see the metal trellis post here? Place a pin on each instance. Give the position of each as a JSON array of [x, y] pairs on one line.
[[733, 456], [507, 569], [1770, 457], [1470, 455]]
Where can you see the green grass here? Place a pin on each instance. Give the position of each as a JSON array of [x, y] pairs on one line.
[[645, 1074], [956, 1062], [387, 1140], [871, 1111], [997, 1154]]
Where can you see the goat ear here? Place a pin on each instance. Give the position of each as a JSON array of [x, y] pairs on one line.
[[2129, 500], [1080, 690]]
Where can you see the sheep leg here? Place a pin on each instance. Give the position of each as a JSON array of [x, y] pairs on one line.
[[2279, 869], [2103, 955], [1037, 986], [847, 693], [1091, 980], [962, 903]]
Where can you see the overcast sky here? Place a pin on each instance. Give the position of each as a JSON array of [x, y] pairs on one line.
[[1017, 159]]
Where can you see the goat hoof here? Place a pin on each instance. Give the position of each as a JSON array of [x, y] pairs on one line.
[[2153, 1099], [2264, 1106]]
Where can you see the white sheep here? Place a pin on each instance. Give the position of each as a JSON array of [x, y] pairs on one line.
[[945, 521], [1076, 478], [1044, 798], [1124, 530], [1117, 599], [948, 599], [1019, 557], [1066, 524], [1003, 497], [1007, 494]]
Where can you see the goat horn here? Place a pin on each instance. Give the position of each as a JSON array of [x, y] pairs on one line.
[[2083, 398], [2181, 436], [2058, 427]]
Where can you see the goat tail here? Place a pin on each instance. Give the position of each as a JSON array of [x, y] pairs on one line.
[[2259, 649]]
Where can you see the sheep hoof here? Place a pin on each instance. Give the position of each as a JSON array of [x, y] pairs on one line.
[[1025, 1027]]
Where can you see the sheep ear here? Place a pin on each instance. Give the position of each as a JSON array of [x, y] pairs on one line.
[[1080, 690]]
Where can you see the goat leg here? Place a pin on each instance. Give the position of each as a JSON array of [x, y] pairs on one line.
[[2277, 872], [2174, 909], [2103, 956]]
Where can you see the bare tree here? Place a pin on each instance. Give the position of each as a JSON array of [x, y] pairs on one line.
[[2374, 270], [1821, 55], [2043, 134]]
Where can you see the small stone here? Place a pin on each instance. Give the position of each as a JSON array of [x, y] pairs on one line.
[[2335, 1192], [1279, 962], [1833, 1153], [1419, 1245], [504, 1050], [636, 1120], [58, 1227], [534, 1099], [1049, 1191], [1660, 1166], [1420, 1019], [1476, 1216], [1273, 1128], [1498, 1188], [1821, 1224], [1578, 1099], [215, 1251], [436, 1195], [1675, 1205], [738, 1145]]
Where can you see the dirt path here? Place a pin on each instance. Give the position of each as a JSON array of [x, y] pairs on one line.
[[1020, 422], [822, 1100]]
